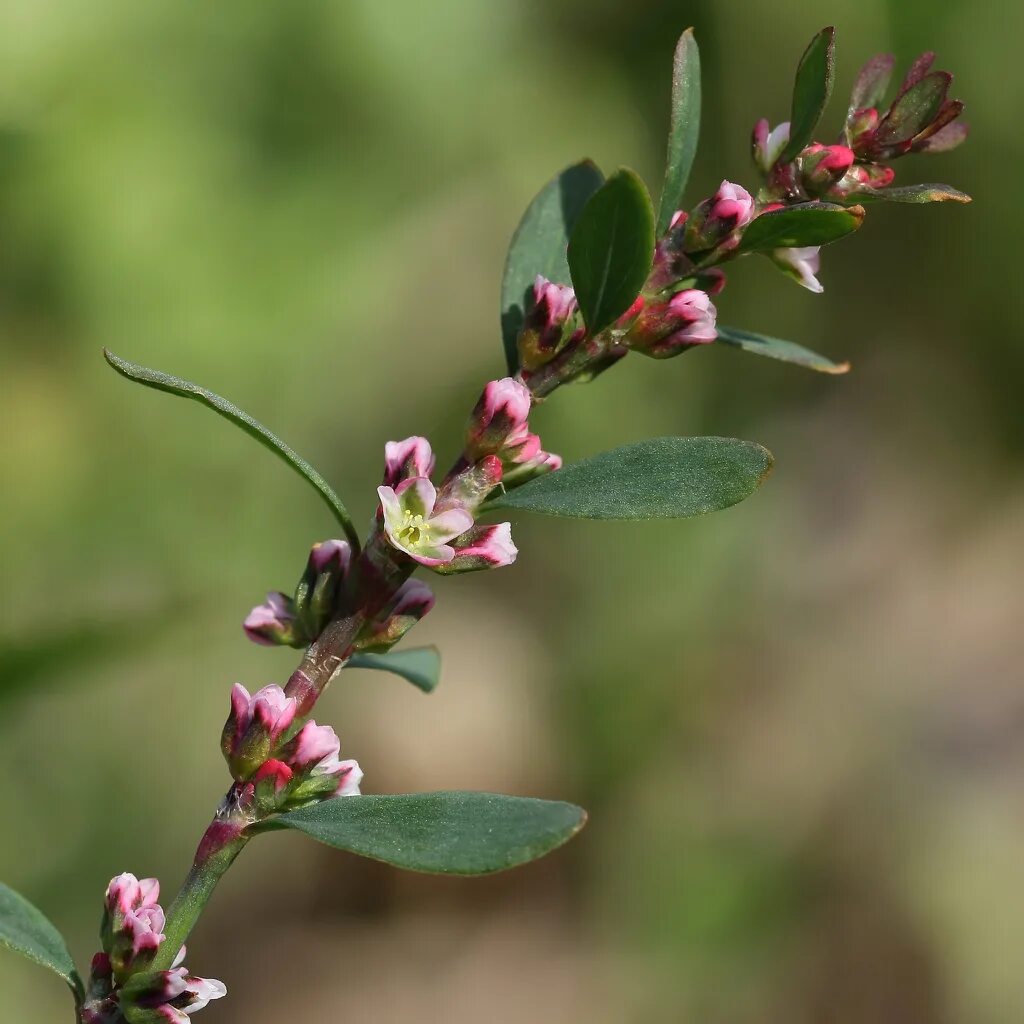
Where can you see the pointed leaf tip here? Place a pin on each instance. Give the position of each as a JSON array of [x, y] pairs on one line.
[[684, 127], [815, 76], [160, 381]]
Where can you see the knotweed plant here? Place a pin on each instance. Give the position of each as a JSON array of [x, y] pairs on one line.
[[593, 274]]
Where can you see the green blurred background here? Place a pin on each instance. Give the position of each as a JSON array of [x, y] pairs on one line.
[[797, 724]]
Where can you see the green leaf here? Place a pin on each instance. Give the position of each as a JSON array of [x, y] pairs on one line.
[[25, 930], [662, 478], [421, 666], [539, 246], [811, 91], [441, 833], [611, 249], [160, 381], [927, 193], [798, 226], [776, 348], [914, 110], [684, 128]]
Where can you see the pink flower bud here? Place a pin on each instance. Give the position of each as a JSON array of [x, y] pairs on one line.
[[255, 724], [549, 323], [167, 997], [767, 144], [272, 623], [404, 459], [669, 328], [133, 924], [801, 264], [483, 547], [862, 178], [312, 755], [499, 418], [277, 773], [820, 167], [413, 600], [713, 222]]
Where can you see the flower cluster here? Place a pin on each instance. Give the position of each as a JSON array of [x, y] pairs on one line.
[[436, 527], [122, 987], [258, 746]]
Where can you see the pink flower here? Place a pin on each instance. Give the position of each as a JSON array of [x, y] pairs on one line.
[[668, 329], [768, 143], [412, 526], [133, 924], [167, 996], [801, 264], [272, 623], [254, 725], [313, 757], [408, 458]]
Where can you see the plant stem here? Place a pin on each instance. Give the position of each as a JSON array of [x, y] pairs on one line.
[[222, 843]]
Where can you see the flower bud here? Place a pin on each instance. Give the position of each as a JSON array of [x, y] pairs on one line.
[[713, 222], [767, 144], [801, 264], [133, 923], [404, 459], [549, 323], [167, 997], [318, 594], [543, 462], [500, 416], [669, 328], [820, 167], [482, 547], [412, 602], [312, 756], [860, 178], [859, 124], [273, 623], [254, 726]]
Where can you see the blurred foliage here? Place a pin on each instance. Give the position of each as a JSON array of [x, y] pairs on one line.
[[795, 723]]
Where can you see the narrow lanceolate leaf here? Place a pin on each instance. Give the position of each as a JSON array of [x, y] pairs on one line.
[[440, 833], [684, 128], [611, 249], [25, 930], [928, 193], [662, 478], [914, 110], [872, 82], [811, 90], [799, 226], [776, 348], [539, 246], [160, 381], [421, 666]]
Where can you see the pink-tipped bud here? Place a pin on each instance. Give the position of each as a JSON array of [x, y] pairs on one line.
[[862, 178], [408, 458], [549, 324], [860, 124], [254, 726], [312, 755], [412, 602], [499, 419], [768, 143], [273, 623], [714, 222], [319, 595], [166, 997], [132, 927], [820, 167], [672, 327], [483, 547]]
